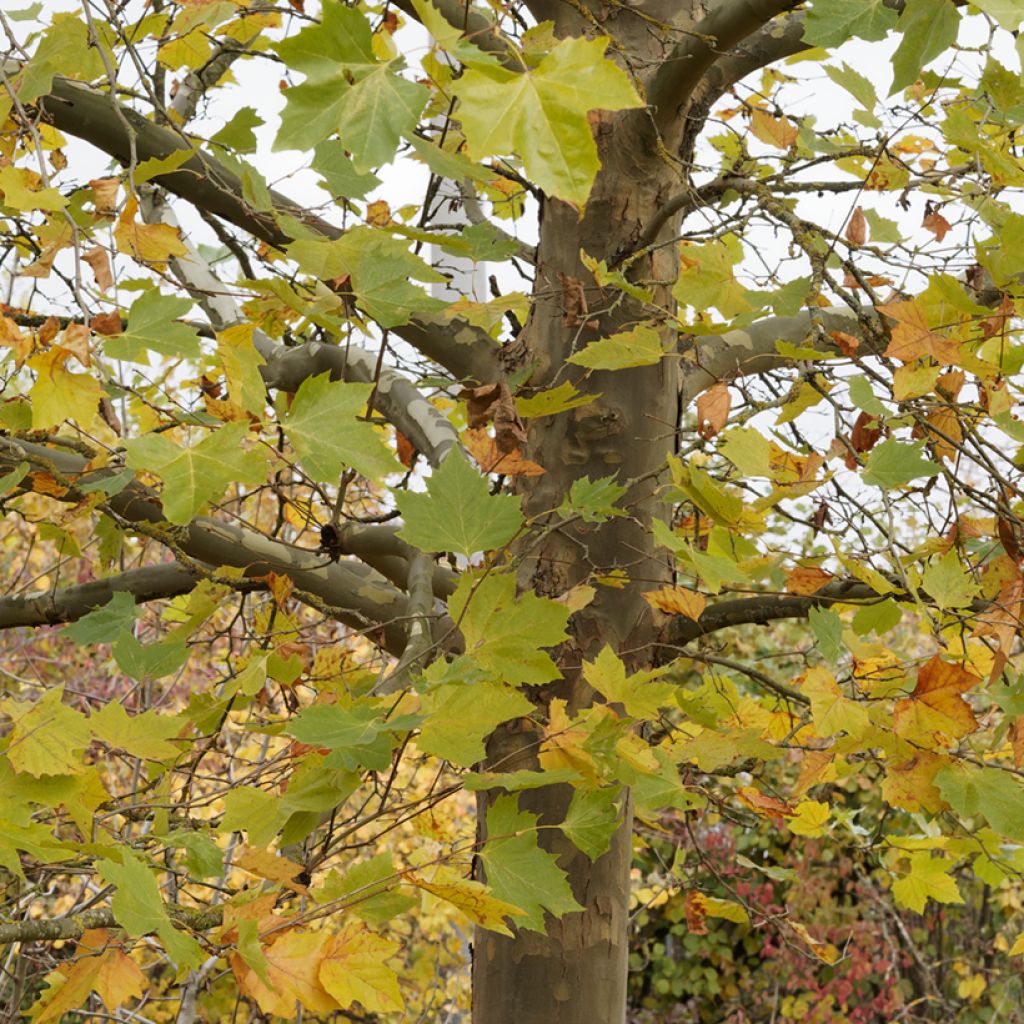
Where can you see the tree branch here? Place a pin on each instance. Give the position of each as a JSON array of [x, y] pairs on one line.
[[475, 26], [203, 181], [148, 583], [202, 919], [751, 350], [355, 594], [676, 79]]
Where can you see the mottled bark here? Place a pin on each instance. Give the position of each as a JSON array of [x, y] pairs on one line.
[[577, 971]]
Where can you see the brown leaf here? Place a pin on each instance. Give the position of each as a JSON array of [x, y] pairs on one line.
[[775, 131], [1007, 534], [406, 452], [492, 459], [935, 222], [48, 331], [378, 213], [846, 343], [110, 416], [766, 806], [107, 324], [99, 262], [104, 195], [857, 228], [76, 341], [867, 429], [495, 402], [696, 912], [480, 403], [574, 301], [912, 338], [713, 410], [936, 709], [806, 579]]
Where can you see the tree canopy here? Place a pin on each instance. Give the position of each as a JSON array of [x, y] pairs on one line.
[[361, 623]]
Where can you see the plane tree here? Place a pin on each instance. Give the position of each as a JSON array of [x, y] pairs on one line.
[[302, 550]]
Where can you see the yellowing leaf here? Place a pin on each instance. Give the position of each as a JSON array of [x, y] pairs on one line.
[[637, 693], [912, 338], [928, 878], [540, 114], [831, 710], [677, 601], [293, 968], [148, 243], [353, 969], [824, 951], [472, 898], [775, 131], [60, 395], [936, 709], [809, 819], [48, 737], [639, 347]]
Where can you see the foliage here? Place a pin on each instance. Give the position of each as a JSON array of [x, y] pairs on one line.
[[351, 616]]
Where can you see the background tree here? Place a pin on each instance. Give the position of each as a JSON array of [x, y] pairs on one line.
[[345, 551]]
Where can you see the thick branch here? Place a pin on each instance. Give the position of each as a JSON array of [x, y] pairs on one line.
[[396, 398], [149, 583], [475, 26], [203, 181], [677, 78], [752, 350], [355, 593]]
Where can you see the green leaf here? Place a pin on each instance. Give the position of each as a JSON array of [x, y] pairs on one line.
[[458, 718], [593, 500], [895, 463], [592, 820], [381, 270], [349, 442], [374, 115], [103, 625], [343, 41], [827, 628], [139, 910], [458, 513], [339, 173], [948, 583], [878, 617], [928, 878], [540, 114], [153, 327], [504, 635], [148, 661], [518, 871], [356, 732], [370, 889], [929, 28], [1008, 13], [252, 810], [639, 347], [200, 474], [863, 396], [990, 792], [708, 279], [238, 133], [203, 857], [834, 22]]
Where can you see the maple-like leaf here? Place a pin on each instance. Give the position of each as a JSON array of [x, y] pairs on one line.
[[354, 969], [913, 338], [831, 709], [540, 114], [324, 451], [198, 474], [928, 878], [154, 244], [936, 709], [472, 898], [292, 964]]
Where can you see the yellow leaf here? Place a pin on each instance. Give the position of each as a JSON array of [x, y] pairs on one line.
[[59, 395], [810, 819], [928, 878], [148, 243], [677, 601], [354, 970], [775, 131], [269, 865], [293, 968], [824, 951], [1017, 949], [472, 898]]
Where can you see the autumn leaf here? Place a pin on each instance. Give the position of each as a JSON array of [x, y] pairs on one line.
[[912, 338], [354, 969], [293, 962], [696, 912], [806, 579], [936, 709], [677, 601], [713, 410], [857, 227], [148, 243], [775, 131]]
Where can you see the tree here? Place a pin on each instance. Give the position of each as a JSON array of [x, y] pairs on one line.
[[764, 367]]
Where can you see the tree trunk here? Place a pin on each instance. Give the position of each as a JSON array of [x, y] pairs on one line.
[[577, 971]]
